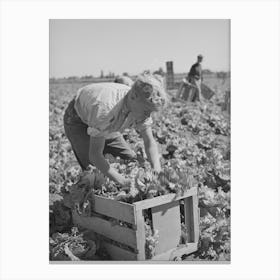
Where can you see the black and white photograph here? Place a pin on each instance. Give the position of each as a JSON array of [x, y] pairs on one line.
[[139, 140]]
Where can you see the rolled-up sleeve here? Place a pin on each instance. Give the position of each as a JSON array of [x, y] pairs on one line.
[[93, 132], [98, 120]]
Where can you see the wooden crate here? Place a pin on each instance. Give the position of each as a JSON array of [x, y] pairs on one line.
[[166, 219], [185, 88]]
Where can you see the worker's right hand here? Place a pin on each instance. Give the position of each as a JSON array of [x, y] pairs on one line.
[[126, 185]]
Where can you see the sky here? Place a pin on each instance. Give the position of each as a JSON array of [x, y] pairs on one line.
[[85, 47]]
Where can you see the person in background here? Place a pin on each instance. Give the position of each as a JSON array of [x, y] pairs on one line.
[[96, 117], [195, 78], [125, 80]]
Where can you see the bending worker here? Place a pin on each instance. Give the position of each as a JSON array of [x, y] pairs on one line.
[[195, 78], [96, 117]]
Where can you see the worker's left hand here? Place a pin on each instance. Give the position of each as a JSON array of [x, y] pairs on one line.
[[87, 180]]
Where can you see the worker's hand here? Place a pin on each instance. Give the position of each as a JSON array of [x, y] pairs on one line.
[[87, 180], [127, 184]]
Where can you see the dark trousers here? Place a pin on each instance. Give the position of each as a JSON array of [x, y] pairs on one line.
[[76, 132], [195, 93]]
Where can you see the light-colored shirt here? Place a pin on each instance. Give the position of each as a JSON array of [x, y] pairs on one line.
[[102, 107]]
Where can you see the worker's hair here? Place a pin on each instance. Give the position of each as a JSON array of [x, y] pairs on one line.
[[150, 88]]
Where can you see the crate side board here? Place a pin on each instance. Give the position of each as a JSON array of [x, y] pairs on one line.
[[119, 254], [117, 233], [159, 200], [115, 209]]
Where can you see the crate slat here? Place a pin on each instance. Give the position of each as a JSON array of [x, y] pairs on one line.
[[118, 233], [140, 234], [115, 209], [156, 201], [119, 254], [192, 218], [166, 219]]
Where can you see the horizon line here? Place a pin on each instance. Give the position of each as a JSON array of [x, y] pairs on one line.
[[130, 75]]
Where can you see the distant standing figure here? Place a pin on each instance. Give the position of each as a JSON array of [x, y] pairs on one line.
[[195, 78], [125, 80]]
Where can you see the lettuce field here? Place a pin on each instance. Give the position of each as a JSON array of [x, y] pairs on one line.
[[194, 142]]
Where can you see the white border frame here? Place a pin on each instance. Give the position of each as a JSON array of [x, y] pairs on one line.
[[255, 138]]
